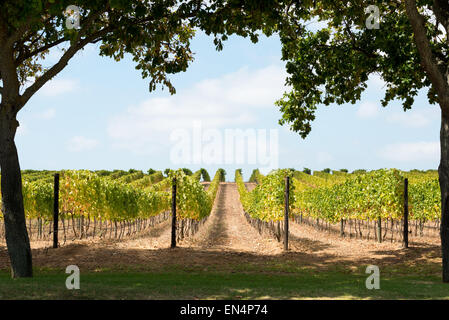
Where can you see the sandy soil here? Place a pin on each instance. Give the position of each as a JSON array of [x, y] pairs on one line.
[[227, 242], [227, 229]]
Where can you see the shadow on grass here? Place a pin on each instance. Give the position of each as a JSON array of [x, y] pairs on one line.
[[213, 285]]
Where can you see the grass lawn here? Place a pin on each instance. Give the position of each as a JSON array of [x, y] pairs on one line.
[[176, 283]]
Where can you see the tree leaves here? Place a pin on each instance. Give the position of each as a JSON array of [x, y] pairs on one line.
[[332, 64], [156, 34]]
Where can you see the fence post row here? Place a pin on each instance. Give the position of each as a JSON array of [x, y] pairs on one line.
[[173, 212], [286, 210], [56, 211], [405, 243]]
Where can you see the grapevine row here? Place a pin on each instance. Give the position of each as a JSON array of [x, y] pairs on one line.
[[119, 197], [333, 198]]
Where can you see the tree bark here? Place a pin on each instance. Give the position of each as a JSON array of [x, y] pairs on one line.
[[443, 171], [439, 79], [12, 199]]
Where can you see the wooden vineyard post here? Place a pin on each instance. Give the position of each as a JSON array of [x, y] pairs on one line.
[[342, 227], [173, 213], [56, 211], [286, 211], [405, 243]]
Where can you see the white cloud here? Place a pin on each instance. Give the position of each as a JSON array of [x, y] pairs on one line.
[[410, 152], [78, 144], [368, 110], [227, 101], [59, 86], [412, 119]]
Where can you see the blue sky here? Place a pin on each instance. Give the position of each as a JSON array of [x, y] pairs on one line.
[[99, 114]]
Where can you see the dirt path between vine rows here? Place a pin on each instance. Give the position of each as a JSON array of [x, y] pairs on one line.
[[227, 229]]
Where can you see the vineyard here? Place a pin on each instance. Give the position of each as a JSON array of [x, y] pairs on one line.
[[112, 204], [116, 204], [368, 204], [129, 220]]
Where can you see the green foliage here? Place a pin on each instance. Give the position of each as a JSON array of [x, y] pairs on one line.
[[349, 196], [116, 174], [103, 173], [340, 173], [197, 175], [222, 175], [256, 176], [309, 180], [84, 193], [205, 175], [34, 175], [202, 174], [327, 170], [266, 201], [187, 171], [148, 180], [360, 196], [307, 171], [332, 64], [418, 176], [155, 34], [424, 194], [192, 201], [38, 199], [238, 172], [425, 199], [366, 196], [322, 174], [132, 176]]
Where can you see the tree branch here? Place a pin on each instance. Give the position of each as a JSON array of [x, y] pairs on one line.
[[441, 10], [86, 23], [18, 33], [22, 58], [77, 45], [355, 47], [60, 65], [3, 28], [428, 60]]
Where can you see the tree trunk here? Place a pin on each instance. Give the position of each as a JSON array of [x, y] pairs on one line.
[[16, 233], [443, 171]]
